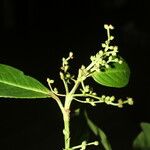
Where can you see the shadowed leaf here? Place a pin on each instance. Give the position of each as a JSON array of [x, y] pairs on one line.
[[116, 76], [98, 132], [142, 141]]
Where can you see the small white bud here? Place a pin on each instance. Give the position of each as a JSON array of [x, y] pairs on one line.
[[103, 96], [101, 52], [106, 26], [61, 75], [111, 27], [103, 45], [116, 48], [68, 75], [130, 101], [82, 67], [87, 99], [120, 103], [63, 59], [87, 88], [92, 58], [114, 53], [50, 81], [55, 90], [71, 55], [116, 60], [111, 37], [94, 94], [120, 62], [96, 143], [107, 98], [112, 98]]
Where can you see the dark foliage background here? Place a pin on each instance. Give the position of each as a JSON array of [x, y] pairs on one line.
[[35, 35]]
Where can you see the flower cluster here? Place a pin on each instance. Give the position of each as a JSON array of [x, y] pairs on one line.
[[93, 99], [65, 75], [108, 55], [110, 100]]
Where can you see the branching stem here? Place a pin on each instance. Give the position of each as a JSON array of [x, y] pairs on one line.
[[102, 59]]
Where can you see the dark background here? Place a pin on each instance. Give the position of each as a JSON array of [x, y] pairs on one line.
[[35, 35]]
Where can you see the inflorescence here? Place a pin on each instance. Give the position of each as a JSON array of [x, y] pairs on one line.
[[102, 60]]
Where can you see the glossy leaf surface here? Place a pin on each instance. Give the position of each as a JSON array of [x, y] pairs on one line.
[[115, 76], [14, 84]]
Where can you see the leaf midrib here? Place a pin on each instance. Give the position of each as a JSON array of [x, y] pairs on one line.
[[22, 87]]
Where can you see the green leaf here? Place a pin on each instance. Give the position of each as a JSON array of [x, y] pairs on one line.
[[14, 84], [115, 76], [98, 132], [142, 141]]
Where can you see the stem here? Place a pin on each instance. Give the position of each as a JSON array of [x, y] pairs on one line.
[[69, 97], [66, 130], [65, 85], [88, 144], [68, 100], [88, 95], [60, 105], [90, 66], [66, 115]]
